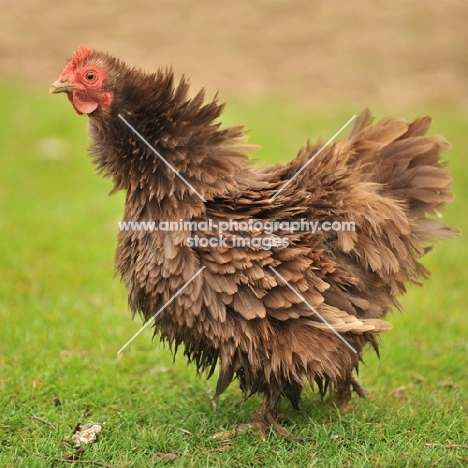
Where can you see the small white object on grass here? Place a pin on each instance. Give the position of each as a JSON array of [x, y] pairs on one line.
[[86, 434]]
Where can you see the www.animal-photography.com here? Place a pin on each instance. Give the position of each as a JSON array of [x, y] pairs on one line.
[[233, 234]]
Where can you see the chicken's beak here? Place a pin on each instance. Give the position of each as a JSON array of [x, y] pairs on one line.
[[62, 85]]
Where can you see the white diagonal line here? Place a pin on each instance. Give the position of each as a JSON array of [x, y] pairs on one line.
[[311, 307], [312, 158], [160, 310], [157, 153]]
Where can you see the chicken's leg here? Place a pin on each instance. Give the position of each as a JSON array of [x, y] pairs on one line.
[[343, 390], [266, 419]]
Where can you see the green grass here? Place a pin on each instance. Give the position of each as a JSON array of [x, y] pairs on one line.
[[63, 317]]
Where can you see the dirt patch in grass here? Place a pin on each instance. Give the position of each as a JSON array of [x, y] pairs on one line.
[[401, 54]]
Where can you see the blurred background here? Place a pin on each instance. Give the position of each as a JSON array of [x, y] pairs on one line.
[[400, 54], [290, 70]]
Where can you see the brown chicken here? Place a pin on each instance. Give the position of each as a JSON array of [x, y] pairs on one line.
[[275, 305]]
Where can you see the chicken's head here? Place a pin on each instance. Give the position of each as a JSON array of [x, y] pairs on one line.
[[85, 81]]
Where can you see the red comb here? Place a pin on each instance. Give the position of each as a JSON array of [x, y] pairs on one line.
[[81, 54]]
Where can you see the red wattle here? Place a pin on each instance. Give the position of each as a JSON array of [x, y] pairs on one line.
[[83, 106]]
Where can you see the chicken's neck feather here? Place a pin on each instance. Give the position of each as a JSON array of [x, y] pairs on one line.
[[186, 157]]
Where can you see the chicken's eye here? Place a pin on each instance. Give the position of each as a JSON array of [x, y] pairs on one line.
[[90, 76]]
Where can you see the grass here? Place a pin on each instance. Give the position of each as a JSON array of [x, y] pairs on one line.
[[63, 317]]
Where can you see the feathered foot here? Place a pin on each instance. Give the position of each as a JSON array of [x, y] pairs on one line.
[[267, 419], [343, 391]]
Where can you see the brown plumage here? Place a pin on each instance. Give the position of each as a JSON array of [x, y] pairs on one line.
[[239, 313]]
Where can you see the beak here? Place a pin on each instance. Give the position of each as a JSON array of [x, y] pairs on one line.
[[62, 85]]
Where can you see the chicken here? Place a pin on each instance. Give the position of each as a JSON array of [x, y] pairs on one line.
[[274, 303]]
